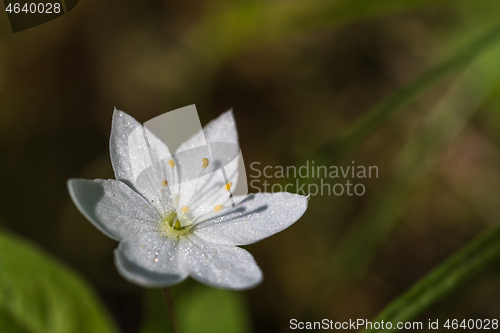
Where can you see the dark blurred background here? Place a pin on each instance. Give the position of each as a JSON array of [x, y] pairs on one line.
[[296, 73]]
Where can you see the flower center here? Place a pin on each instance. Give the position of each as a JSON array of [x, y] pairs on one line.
[[177, 223], [171, 227]]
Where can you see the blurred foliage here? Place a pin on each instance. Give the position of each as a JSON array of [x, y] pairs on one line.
[[465, 265], [441, 126], [199, 309], [408, 86], [38, 294], [384, 111]]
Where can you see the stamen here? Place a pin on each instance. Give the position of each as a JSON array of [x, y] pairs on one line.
[[164, 182], [218, 208], [171, 162], [228, 186], [205, 162], [185, 209], [199, 180]]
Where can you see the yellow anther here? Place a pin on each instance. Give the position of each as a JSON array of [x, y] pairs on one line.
[[171, 162], [228, 186], [164, 182], [218, 208], [185, 209], [205, 162]]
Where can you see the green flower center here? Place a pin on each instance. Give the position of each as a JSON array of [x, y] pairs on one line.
[[171, 227]]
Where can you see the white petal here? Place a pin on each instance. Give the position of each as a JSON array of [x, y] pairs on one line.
[[195, 141], [150, 261], [203, 194], [138, 157], [222, 135], [221, 266], [212, 190], [151, 184], [221, 129], [208, 190], [256, 217], [128, 148], [113, 207]]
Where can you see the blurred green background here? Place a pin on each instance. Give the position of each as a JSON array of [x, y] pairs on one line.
[[412, 87]]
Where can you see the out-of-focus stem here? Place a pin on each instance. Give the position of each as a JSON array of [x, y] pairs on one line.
[[171, 310]]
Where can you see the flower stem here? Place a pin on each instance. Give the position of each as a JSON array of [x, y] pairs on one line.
[[171, 310]]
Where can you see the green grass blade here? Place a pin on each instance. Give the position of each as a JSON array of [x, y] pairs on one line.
[[473, 260]]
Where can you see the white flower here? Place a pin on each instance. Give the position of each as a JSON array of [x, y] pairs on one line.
[[169, 228]]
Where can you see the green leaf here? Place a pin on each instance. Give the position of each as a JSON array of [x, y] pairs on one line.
[[470, 262], [8, 325], [199, 309], [38, 294]]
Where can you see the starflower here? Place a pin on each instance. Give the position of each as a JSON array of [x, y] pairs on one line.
[[171, 224]]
